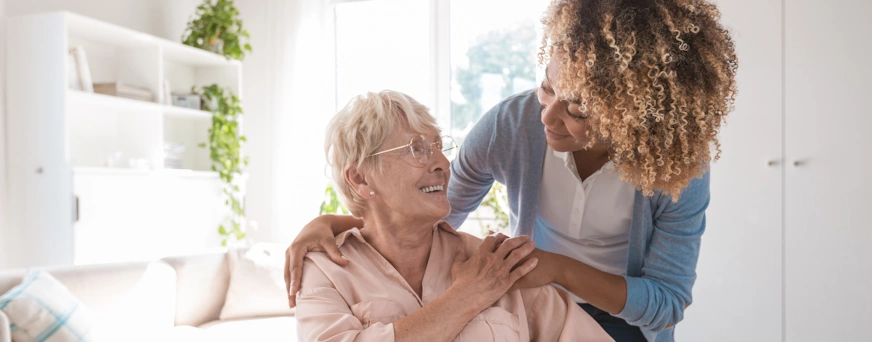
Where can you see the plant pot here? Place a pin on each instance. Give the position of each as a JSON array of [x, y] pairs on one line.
[[216, 45]]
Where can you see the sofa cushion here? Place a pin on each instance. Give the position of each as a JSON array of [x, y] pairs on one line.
[[120, 296], [41, 308], [201, 286], [4, 328], [264, 329], [257, 285]]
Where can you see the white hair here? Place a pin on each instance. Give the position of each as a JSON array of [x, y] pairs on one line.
[[360, 129]]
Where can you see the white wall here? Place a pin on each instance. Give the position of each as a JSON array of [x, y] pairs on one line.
[[3, 225], [255, 85]]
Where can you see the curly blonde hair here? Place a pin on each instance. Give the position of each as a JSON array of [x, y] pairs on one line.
[[657, 78]]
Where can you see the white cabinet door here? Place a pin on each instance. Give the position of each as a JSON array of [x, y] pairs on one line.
[[828, 187], [127, 216], [738, 293]]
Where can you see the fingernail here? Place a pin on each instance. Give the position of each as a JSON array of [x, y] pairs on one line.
[[343, 257]]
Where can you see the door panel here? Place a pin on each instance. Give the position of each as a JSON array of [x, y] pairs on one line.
[[828, 86], [738, 293]]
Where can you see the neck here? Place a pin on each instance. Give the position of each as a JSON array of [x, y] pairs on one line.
[[594, 153], [405, 244]]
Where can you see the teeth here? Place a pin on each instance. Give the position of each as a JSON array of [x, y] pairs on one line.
[[432, 188]]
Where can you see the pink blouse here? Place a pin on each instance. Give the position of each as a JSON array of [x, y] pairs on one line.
[[360, 302]]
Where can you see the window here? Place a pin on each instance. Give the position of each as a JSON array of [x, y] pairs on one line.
[[457, 57], [383, 44], [494, 46]]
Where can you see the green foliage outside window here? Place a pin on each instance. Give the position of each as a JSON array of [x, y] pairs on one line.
[[497, 201], [331, 203], [509, 53]]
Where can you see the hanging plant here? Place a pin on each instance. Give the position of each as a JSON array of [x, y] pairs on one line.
[[217, 28], [225, 151]]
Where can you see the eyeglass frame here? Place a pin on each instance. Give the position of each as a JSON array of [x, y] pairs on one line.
[[412, 141]]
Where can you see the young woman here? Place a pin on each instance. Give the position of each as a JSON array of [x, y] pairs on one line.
[[606, 163]]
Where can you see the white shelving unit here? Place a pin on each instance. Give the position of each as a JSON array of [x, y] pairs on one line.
[[86, 170]]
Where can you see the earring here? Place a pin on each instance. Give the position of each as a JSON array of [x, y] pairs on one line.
[[372, 193]]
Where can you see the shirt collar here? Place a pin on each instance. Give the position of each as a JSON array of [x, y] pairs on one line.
[[569, 161], [354, 233]]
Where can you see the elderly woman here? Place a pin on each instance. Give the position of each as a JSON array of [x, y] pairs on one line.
[[411, 276]]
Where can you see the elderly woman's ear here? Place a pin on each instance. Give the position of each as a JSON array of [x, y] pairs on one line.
[[358, 182]]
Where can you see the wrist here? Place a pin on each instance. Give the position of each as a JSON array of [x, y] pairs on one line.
[[469, 300], [557, 267]]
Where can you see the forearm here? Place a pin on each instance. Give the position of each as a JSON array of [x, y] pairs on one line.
[[603, 290], [341, 223], [440, 320]]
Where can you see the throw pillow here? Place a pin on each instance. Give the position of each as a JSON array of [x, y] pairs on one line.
[[257, 283], [42, 309]]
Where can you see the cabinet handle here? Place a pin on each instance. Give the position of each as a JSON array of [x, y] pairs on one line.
[[75, 209], [774, 162], [799, 163]]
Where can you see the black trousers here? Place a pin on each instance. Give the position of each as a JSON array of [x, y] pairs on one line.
[[617, 328]]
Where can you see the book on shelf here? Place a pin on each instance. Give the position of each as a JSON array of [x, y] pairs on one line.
[[124, 90], [83, 72]]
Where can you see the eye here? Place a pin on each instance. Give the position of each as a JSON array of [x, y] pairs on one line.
[[575, 116], [547, 89]]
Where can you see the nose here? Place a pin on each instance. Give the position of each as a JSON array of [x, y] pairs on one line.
[[550, 115], [438, 161]]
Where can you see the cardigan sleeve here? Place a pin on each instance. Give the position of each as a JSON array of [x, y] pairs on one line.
[[656, 298], [471, 176]]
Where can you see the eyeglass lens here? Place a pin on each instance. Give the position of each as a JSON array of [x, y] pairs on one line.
[[422, 149]]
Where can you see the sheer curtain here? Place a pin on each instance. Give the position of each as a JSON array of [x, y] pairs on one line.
[[290, 91]]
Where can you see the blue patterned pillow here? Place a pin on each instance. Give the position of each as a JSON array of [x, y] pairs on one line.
[[42, 309]]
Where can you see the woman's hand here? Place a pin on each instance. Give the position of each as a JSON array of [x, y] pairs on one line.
[[489, 273], [316, 236]]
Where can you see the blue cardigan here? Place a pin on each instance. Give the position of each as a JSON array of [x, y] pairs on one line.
[[508, 145]]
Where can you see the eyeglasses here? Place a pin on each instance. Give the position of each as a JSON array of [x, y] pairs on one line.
[[422, 150]]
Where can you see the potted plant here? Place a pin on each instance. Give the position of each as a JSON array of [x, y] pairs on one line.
[[217, 28]]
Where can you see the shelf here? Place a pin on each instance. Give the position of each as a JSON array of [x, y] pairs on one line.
[[123, 37], [190, 55], [186, 112], [181, 173], [84, 98]]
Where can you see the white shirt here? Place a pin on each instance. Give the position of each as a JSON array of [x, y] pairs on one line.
[[588, 221]]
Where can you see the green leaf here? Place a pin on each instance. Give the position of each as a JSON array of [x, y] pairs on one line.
[[222, 230]]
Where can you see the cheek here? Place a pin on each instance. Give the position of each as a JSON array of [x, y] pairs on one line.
[[577, 128]]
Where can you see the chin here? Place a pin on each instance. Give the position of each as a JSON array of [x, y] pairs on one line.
[[560, 146]]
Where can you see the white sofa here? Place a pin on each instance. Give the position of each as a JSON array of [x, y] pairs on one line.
[[173, 299]]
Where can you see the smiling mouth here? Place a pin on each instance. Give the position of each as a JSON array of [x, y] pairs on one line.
[[554, 135], [434, 188]]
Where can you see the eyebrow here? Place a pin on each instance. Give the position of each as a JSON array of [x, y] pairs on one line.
[[548, 82]]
